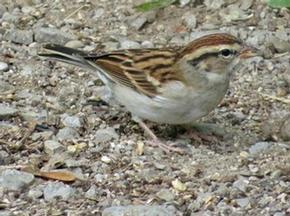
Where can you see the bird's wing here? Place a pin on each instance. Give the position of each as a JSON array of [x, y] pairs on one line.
[[144, 70]]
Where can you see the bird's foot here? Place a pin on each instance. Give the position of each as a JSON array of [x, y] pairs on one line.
[[201, 137], [166, 147], [205, 133]]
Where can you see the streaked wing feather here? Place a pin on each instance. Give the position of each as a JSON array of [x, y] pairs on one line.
[[138, 69]]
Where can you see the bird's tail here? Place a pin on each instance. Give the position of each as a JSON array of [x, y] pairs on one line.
[[66, 54]]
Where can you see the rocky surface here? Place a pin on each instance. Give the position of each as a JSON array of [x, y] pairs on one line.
[[55, 116]]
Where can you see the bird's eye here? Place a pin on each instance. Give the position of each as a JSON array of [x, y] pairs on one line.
[[227, 53]]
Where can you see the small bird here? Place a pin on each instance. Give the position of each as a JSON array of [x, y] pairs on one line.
[[165, 85]]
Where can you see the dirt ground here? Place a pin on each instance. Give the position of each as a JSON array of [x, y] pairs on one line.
[[55, 116]]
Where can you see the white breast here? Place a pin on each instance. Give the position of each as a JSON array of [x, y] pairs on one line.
[[177, 104]]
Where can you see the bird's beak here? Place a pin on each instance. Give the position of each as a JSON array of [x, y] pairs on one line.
[[248, 52]]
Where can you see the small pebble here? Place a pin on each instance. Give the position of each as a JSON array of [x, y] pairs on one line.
[[259, 147], [280, 45], [183, 3], [276, 174], [189, 20], [98, 13], [55, 190], [147, 44], [76, 44], [7, 111], [241, 184], [67, 133], [52, 147], [128, 44], [71, 121], [19, 36], [52, 35], [178, 185], [285, 128], [243, 202], [2, 10], [139, 22], [140, 210], [35, 193], [106, 159], [92, 193], [166, 195], [105, 135], [4, 66], [15, 180]]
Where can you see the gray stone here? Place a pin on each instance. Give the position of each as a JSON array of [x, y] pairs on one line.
[[150, 16], [5, 86], [15, 180], [232, 13], [214, 4], [99, 177], [8, 17], [246, 4], [34, 116], [177, 40], [89, 48], [243, 202], [92, 193], [67, 133], [139, 22], [147, 44], [27, 9], [5, 213], [183, 3], [189, 20], [259, 147], [19, 36], [98, 13], [35, 193], [110, 45], [71, 121], [52, 35], [128, 44], [241, 184], [276, 173], [285, 129], [27, 70], [55, 190], [7, 111], [75, 44], [279, 214], [2, 10], [105, 135], [52, 147], [4, 66], [4, 157], [280, 45], [139, 210], [166, 195]]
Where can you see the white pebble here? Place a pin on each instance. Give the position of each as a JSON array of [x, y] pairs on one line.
[[106, 159], [3, 66]]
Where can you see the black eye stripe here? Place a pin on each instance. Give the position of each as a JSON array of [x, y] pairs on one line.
[[195, 61], [223, 53]]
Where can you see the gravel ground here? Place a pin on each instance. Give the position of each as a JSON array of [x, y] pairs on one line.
[[56, 117]]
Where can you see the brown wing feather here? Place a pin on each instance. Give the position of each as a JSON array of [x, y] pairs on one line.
[[142, 70]]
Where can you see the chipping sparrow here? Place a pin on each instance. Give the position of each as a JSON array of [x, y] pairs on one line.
[[169, 85]]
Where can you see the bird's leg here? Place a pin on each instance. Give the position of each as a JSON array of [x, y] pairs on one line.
[[155, 140]]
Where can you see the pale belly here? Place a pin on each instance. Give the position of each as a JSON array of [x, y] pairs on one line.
[[177, 110]]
